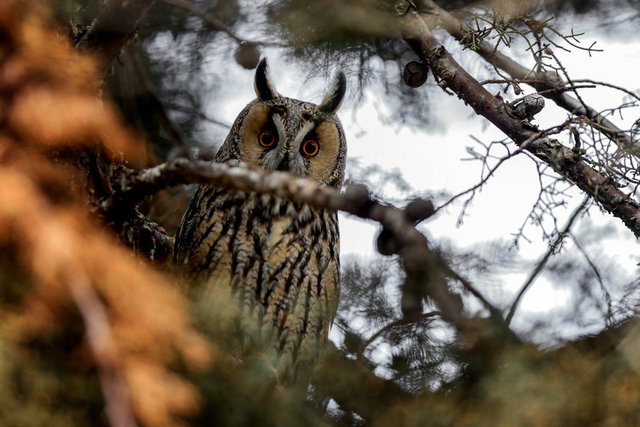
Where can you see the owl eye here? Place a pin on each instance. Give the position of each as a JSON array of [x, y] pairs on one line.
[[310, 147], [267, 138]]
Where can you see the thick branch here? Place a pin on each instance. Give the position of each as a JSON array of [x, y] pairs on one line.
[[541, 81], [561, 159], [113, 28], [423, 266], [137, 232]]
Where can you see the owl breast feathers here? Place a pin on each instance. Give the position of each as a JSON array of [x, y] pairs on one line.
[[278, 260]]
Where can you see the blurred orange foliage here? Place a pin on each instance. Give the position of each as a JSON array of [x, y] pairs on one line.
[[135, 322]]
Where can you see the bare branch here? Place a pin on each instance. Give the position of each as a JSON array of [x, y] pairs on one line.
[[605, 292], [184, 109], [562, 159], [133, 62], [610, 85], [211, 21], [543, 82]]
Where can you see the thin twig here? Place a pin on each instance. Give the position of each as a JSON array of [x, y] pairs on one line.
[[543, 261], [213, 22], [476, 293], [610, 85], [140, 73], [492, 170], [596, 271], [194, 112], [112, 29]]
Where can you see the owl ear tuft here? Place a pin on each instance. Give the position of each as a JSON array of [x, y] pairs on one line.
[[333, 100], [262, 84]]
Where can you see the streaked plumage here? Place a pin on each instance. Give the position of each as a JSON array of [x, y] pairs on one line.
[[278, 258]]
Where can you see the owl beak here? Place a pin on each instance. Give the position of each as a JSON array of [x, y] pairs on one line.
[[283, 166]]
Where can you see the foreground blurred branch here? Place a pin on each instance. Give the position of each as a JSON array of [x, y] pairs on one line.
[[337, 376], [562, 159], [100, 341]]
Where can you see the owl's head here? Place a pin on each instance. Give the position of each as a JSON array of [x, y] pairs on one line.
[[285, 134]]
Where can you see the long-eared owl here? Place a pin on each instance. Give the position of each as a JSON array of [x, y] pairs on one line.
[[278, 259]]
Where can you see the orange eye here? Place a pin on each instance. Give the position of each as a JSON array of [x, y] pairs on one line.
[[267, 138], [310, 147]]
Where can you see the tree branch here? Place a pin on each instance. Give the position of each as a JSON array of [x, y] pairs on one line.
[[215, 23], [547, 84], [563, 160], [423, 266], [105, 354], [211, 21], [113, 28]]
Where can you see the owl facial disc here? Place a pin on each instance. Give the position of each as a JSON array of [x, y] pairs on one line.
[[285, 134]]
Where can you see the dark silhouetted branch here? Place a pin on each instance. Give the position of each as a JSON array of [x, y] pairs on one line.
[[394, 325], [213, 22], [114, 27]]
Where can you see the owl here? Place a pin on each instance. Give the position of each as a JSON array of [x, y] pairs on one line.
[[277, 259]]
